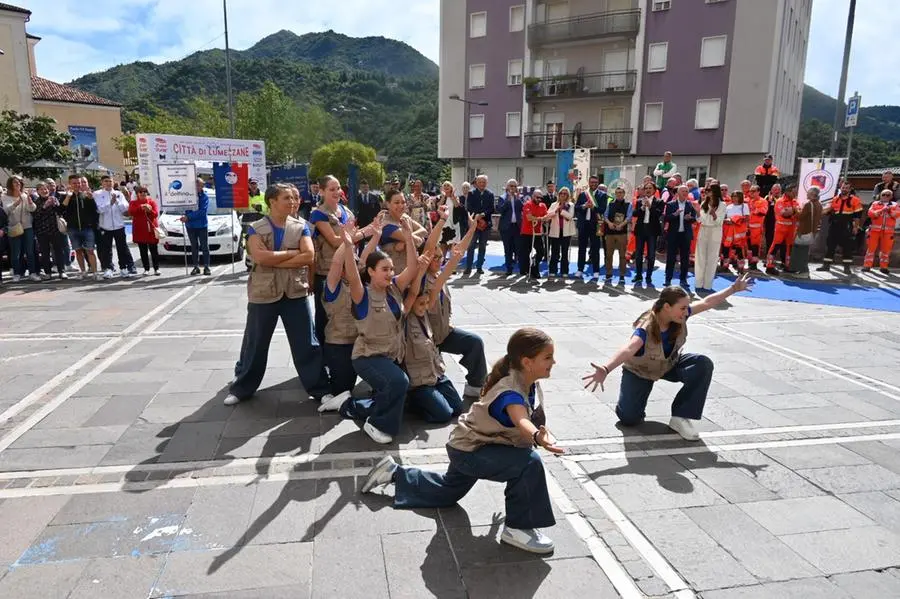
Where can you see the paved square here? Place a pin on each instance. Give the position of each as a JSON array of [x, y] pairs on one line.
[[123, 475]]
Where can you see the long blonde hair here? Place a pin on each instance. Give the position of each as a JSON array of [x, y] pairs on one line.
[[524, 343]]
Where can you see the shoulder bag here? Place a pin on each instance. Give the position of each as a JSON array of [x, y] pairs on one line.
[[17, 230]]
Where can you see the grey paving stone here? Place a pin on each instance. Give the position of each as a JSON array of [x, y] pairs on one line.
[[141, 443], [868, 585], [815, 456], [480, 507], [332, 562], [849, 550], [70, 437], [756, 412], [73, 412], [733, 481], [785, 401], [118, 577], [118, 507], [696, 556], [807, 588], [650, 494], [792, 516], [756, 549], [282, 512], [775, 477], [193, 441], [420, 564], [21, 520], [52, 457], [110, 389], [852, 479], [879, 506], [120, 410], [253, 569], [878, 452], [272, 427], [579, 577], [829, 415], [217, 518], [46, 581]]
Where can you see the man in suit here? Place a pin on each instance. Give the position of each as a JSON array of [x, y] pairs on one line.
[[367, 205], [309, 199], [589, 206], [509, 206], [679, 216], [480, 201]]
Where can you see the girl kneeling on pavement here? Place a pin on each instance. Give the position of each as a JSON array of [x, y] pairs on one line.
[[654, 352], [495, 440]]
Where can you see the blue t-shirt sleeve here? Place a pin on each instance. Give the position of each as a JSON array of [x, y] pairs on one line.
[[361, 310], [306, 231], [331, 295], [317, 216], [642, 333], [386, 233], [251, 231], [497, 409], [345, 215]]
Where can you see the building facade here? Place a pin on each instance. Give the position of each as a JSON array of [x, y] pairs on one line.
[[716, 82]]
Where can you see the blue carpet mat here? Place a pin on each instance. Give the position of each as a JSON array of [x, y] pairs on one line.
[[787, 290]]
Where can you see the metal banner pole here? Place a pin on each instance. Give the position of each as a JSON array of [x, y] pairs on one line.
[[184, 247]]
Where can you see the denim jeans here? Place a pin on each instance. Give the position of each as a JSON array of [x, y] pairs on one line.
[[340, 367], [305, 351], [436, 403], [321, 316], [471, 347], [480, 238], [199, 239], [389, 383], [527, 499], [17, 245], [694, 371], [510, 238]]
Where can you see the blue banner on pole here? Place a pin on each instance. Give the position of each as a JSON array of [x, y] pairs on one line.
[[610, 175], [565, 162], [352, 184], [297, 175], [232, 184]]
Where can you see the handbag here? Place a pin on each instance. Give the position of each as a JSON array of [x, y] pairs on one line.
[[17, 230], [807, 238], [61, 225]]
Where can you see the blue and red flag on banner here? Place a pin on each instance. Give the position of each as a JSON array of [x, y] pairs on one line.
[[232, 182]]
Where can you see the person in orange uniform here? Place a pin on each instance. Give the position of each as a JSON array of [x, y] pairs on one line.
[[786, 210], [734, 237], [883, 213], [766, 174], [759, 207], [846, 212]]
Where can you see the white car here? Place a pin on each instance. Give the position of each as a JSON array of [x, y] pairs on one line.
[[224, 232]]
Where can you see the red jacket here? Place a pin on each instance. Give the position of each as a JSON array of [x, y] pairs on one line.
[[142, 223]]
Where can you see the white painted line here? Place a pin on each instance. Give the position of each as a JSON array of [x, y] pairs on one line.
[[635, 537], [21, 356], [614, 571], [59, 336], [799, 428]]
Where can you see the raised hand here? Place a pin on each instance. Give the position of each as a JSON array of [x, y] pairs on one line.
[[742, 283], [597, 379], [406, 226], [346, 236], [423, 261], [444, 211]]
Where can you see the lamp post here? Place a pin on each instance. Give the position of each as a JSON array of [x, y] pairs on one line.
[[468, 104], [228, 90], [341, 109]]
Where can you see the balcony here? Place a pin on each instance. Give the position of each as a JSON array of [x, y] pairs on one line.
[[600, 140], [580, 85], [623, 23]]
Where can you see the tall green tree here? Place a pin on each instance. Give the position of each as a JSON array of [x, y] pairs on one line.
[[25, 138], [867, 151], [335, 158]]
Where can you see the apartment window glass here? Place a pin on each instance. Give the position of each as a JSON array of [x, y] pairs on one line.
[[478, 24], [549, 173], [712, 51], [514, 72], [476, 126], [714, 1], [520, 174], [476, 76], [517, 18], [707, 116], [657, 57], [697, 172], [653, 113], [662, 4], [513, 124]]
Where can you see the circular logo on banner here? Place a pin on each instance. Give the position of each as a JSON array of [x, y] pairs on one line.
[[620, 182], [231, 177], [818, 178], [176, 184]]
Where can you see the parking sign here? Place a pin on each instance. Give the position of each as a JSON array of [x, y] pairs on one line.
[[852, 115]]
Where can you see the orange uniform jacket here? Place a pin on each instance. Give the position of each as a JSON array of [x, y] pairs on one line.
[[772, 170], [782, 220], [758, 210], [884, 216], [849, 208]]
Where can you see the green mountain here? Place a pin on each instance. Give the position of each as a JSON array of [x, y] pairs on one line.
[[382, 92], [879, 121]]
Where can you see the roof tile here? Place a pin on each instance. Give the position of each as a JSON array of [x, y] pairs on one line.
[[44, 89]]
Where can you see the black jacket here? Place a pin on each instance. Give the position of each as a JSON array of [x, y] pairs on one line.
[[81, 213], [654, 227]]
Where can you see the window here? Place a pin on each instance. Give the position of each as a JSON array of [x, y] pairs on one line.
[[697, 172], [707, 116], [520, 174], [662, 5], [712, 51], [657, 56], [514, 72], [476, 76], [476, 126], [548, 174], [513, 124], [478, 24], [653, 113], [517, 18], [714, 1]]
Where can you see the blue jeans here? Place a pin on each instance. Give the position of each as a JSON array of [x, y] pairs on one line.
[[692, 370], [527, 499], [340, 367], [199, 239], [471, 347], [480, 238], [385, 410], [17, 244], [261, 321], [510, 239], [438, 403], [321, 316]]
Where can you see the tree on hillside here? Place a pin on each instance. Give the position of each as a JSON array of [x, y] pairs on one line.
[[25, 138], [334, 158], [868, 151]]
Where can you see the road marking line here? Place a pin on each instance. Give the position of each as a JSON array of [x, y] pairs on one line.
[[635, 537], [19, 357]]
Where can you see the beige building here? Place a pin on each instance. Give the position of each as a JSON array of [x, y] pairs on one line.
[[95, 121]]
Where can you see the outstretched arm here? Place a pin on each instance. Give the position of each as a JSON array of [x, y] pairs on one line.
[[438, 230], [406, 277], [537, 435], [337, 267], [711, 301], [356, 287], [412, 293], [602, 371]]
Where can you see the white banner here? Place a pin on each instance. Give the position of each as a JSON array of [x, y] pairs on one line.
[[824, 175], [154, 149], [177, 184], [581, 163]]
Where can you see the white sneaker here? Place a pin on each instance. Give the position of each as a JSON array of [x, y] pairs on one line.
[[470, 391], [685, 428], [382, 474], [98, 276], [376, 435], [108, 274], [35, 278], [146, 272], [528, 539], [63, 276], [231, 399], [333, 403], [156, 273], [16, 278], [579, 275]]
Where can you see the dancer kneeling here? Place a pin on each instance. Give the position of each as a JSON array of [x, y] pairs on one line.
[[495, 440], [654, 352]]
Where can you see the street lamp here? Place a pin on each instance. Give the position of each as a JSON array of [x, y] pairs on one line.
[[341, 109], [467, 110]]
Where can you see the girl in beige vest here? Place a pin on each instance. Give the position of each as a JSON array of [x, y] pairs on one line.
[[393, 242], [654, 352], [495, 440]]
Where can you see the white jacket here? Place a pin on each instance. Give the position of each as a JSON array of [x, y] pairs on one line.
[[568, 228]]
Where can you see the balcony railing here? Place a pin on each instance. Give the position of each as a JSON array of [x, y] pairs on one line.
[[581, 85], [602, 140], [606, 24]]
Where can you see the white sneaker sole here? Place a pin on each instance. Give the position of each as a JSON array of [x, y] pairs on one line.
[[376, 435], [380, 468], [512, 542], [334, 403]]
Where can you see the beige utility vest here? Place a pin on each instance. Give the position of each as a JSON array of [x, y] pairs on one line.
[[439, 315], [380, 333], [653, 363], [477, 427], [324, 251], [266, 284], [341, 326], [422, 362]]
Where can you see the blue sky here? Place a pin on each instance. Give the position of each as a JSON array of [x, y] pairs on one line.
[[81, 37]]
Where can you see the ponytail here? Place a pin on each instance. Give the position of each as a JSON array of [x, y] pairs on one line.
[[499, 371]]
